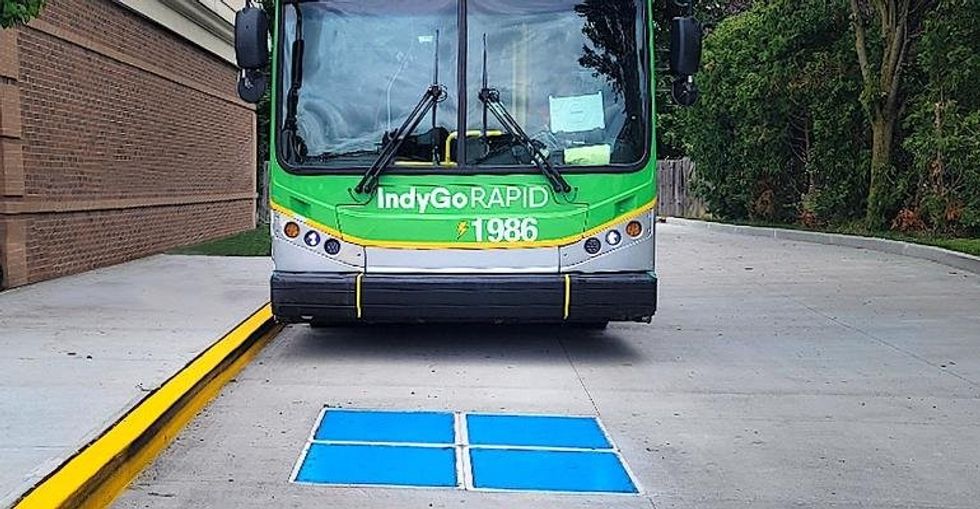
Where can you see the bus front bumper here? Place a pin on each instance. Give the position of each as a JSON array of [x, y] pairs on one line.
[[583, 298]]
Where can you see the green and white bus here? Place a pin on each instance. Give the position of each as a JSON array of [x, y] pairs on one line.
[[461, 160]]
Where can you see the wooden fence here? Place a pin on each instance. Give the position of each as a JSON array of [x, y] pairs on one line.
[[674, 196]]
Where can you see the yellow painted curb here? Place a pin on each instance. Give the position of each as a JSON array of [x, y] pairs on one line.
[[95, 475]]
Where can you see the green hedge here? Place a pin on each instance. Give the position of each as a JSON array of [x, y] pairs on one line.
[[780, 133]]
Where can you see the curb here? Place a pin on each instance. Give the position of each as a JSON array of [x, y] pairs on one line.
[[102, 469], [960, 261]]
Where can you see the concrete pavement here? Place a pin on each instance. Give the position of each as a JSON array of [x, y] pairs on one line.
[[955, 259], [776, 374], [76, 353]]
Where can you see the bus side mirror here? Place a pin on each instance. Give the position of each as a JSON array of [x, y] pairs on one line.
[[685, 58], [251, 38], [252, 52], [685, 46]]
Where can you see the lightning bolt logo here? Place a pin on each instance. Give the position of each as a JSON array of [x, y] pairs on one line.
[[461, 229]]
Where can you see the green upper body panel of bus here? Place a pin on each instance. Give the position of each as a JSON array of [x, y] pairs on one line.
[[574, 76]]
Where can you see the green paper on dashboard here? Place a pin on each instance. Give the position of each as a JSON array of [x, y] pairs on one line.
[[593, 155]]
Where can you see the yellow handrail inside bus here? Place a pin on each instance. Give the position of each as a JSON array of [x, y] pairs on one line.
[[422, 164], [449, 145]]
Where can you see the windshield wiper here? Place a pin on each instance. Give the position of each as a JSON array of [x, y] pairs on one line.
[[293, 144], [490, 97], [433, 95]]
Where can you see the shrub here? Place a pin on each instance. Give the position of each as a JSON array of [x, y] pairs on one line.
[[13, 12], [779, 134]]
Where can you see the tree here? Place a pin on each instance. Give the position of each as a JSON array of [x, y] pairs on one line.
[[13, 12], [943, 123], [882, 72]]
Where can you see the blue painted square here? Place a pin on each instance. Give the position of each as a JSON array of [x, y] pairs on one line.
[[536, 431], [549, 470], [398, 427], [389, 465]]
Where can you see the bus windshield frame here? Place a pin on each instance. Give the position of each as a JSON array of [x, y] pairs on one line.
[[464, 85]]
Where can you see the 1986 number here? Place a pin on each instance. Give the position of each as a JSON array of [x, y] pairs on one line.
[[506, 229]]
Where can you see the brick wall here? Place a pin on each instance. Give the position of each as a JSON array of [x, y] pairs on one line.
[[72, 242], [118, 139]]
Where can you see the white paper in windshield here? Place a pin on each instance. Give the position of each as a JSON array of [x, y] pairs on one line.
[[577, 113]]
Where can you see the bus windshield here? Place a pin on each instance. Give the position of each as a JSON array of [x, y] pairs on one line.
[[572, 74]]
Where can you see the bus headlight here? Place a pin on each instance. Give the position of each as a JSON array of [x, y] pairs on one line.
[[613, 238], [312, 238]]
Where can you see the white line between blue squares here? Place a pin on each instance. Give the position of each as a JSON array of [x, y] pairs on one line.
[[472, 451]]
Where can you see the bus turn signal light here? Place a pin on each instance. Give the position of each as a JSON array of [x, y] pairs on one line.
[[291, 230], [634, 229]]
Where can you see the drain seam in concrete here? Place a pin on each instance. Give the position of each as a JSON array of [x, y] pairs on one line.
[[579, 376]]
